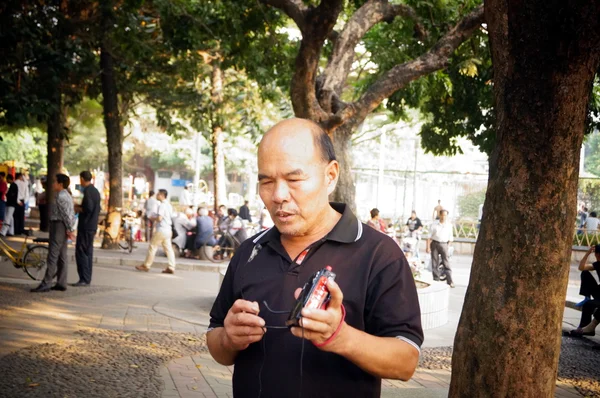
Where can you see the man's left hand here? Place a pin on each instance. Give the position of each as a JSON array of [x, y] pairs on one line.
[[319, 325], [70, 235]]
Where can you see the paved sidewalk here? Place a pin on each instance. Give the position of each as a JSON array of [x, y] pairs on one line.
[[133, 302]]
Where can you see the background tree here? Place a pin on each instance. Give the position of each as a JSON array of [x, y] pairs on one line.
[[215, 45], [45, 69], [545, 54], [425, 38]]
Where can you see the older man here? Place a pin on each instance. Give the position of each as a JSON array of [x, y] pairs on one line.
[[370, 331], [62, 222]]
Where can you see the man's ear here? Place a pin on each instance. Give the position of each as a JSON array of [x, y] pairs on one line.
[[332, 174]]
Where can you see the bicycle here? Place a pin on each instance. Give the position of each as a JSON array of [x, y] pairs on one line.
[[30, 258], [126, 233], [218, 254]]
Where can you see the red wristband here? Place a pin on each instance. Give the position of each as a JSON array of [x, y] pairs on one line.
[[337, 331]]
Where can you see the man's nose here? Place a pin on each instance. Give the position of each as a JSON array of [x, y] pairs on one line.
[[281, 193]]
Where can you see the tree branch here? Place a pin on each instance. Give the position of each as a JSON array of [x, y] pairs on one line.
[[294, 9], [400, 75], [367, 16]]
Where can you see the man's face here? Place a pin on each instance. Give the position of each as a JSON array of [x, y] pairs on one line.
[[160, 196], [294, 181], [413, 215], [443, 215], [221, 211]]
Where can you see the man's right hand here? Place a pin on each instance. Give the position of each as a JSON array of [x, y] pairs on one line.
[[242, 325]]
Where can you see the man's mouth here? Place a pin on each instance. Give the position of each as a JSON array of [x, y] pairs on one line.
[[284, 216]]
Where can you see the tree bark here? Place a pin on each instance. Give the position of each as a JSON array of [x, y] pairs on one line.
[[545, 54], [220, 195], [345, 191], [55, 145], [114, 137]]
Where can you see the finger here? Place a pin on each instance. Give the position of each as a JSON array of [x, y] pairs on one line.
[[245, 306], [304, 333], [336, 294], [246, 319], [318, 315], [246, 331], [297, 293], [311, 325]]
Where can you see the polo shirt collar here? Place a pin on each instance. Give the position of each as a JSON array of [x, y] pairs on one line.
[[347, 230]]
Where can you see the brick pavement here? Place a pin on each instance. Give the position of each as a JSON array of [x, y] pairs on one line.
[[200, 376], [134, 308]]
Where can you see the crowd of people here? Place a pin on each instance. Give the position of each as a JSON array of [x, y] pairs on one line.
[[441, 236], [188, 230]]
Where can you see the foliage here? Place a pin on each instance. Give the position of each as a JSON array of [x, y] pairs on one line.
[[27, 146], [468, 205], [589, 193], [592, 154], [43, 55]]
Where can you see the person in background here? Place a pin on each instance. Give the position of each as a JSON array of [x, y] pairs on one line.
[[3, 190], [8, 226], [221, 217], [245, 212], [19, 216], [265, 221], [186, 197], [583, 215], [441, 235], [414, 224], [150, 209], [436, 210], [162, 237], [41, 202], [590, 289], [204, 229], [86, 229], [183, 224], [62, 222], [376, 222], [591, 223]]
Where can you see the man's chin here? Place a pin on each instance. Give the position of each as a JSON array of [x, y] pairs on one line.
[[288, 229]]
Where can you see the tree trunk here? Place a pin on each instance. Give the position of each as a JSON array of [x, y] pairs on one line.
[[55, 145], [345, 192], [220, 194], [114, 141], [508, 339]]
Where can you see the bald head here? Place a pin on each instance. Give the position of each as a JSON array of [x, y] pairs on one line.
[[300, 130], [296, 173]]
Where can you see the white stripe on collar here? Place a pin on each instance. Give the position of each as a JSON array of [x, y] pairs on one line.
[[260, 236], [360, 230]]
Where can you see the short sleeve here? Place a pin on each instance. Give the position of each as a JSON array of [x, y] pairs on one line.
[[227, 295], [392, 306], [419, 224]]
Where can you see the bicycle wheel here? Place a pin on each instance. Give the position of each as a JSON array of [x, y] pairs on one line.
[[34, 262], [124, 240], [212, 253]]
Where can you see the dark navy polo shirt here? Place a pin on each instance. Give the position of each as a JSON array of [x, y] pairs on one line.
[[380, 298]]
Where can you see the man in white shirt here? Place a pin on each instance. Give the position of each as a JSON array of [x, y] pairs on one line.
[[162, 236], [19, 217], [591, 223], [440, 236], [150, 209]]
